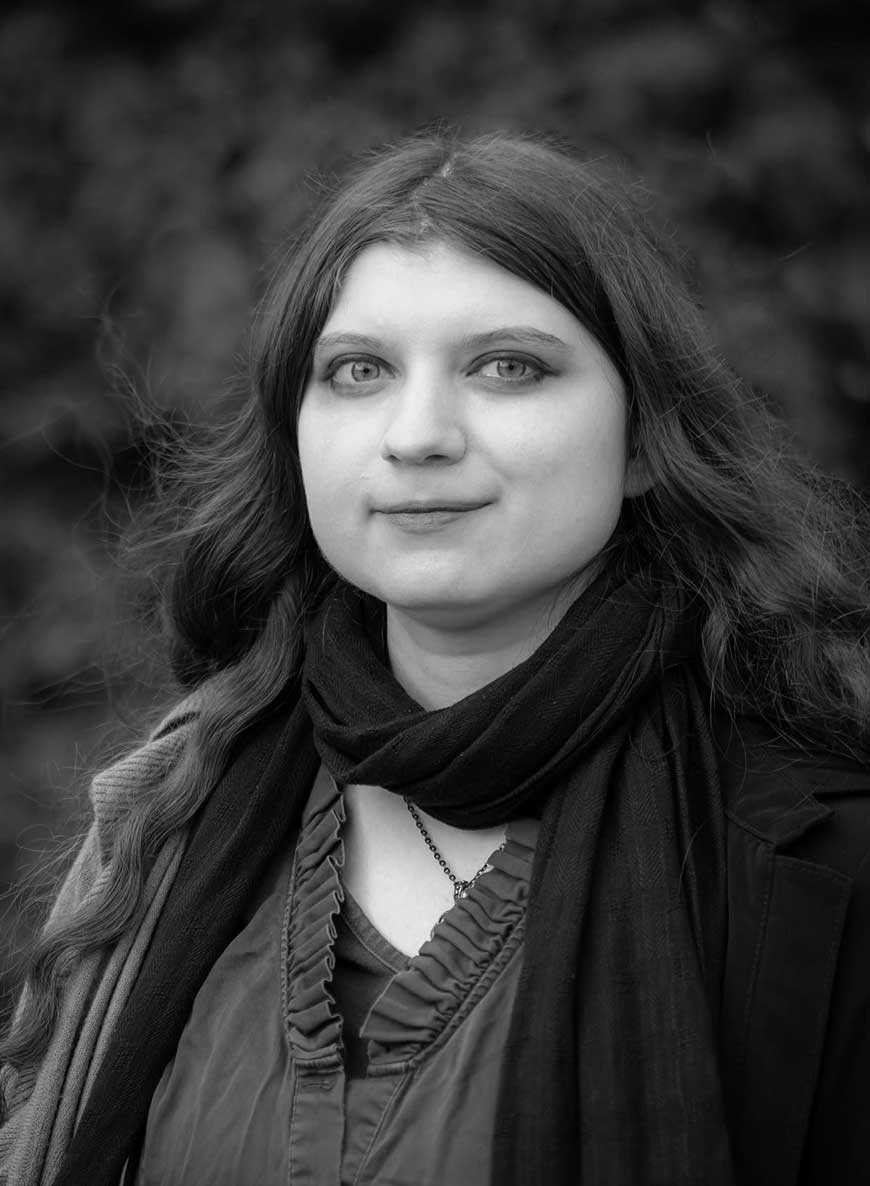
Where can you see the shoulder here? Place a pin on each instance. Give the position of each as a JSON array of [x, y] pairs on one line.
[[119, 786], [113, 792], [807, 800]]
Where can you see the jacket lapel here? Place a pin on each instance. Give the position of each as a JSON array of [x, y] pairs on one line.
[[786, 918]]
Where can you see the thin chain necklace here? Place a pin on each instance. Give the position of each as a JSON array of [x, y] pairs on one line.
[[459, 886]]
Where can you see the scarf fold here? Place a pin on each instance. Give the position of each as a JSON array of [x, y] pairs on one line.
[[610, 1075]]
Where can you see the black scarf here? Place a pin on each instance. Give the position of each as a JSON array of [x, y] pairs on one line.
[[610, 1073]]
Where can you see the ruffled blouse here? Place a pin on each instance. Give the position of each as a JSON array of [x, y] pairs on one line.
[[259, 1090]]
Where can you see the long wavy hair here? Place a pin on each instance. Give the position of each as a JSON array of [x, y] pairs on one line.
[[776, 552]]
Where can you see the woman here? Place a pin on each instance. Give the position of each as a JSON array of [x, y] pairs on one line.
[[515, 828]]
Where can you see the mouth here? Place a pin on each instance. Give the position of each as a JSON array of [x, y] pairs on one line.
[[420, 517], [428, 508]]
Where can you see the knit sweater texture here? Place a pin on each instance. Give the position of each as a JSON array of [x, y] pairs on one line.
[[44, 1101]]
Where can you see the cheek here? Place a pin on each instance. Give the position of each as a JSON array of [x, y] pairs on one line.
[[317, 470], [581, 458], [306, 444], [316, 443], [331, 481]]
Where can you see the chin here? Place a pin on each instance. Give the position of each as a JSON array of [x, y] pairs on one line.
[[426, 598], [409, 586], [434, 601]]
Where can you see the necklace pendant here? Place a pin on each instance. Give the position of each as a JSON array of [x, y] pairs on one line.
[[459, 889]]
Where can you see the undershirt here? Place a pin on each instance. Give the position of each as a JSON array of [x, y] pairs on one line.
[[365, 962]]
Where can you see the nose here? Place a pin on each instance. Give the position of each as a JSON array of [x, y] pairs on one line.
[[425, 424]]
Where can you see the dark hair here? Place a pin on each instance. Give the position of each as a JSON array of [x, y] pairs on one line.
[[775, 552]]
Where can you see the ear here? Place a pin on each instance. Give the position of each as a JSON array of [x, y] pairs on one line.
[[638, 478]]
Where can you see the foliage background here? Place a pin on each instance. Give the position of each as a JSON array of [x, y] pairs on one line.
[[158, 153]]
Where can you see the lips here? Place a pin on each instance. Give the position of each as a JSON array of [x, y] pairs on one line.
[[425, 508], [421, 518]]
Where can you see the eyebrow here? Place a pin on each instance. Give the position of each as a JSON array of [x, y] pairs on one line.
[[525, 335]]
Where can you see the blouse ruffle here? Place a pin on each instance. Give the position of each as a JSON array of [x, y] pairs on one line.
[[453, 969], [312, 1025], [468, 946]]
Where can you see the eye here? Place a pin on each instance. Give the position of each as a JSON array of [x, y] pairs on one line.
[[354, 372], [512, 369]]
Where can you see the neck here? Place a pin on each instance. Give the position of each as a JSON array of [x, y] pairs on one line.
[[439, 664]]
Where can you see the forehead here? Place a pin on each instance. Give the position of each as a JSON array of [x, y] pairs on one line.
[[389, 286]]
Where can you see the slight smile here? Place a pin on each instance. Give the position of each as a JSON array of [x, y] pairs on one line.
[[420, 517]]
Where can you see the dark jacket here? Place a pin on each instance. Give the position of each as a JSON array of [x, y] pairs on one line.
[[795, 1023]]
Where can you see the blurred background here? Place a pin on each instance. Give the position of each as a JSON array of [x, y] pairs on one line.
[[156, 155]]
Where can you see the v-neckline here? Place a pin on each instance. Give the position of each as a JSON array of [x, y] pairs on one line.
[[424, 1001]]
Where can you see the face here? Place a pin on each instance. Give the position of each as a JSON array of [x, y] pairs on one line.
[[462, 438]]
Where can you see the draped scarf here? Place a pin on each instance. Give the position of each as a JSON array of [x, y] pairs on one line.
[[610, 1071], [610, 1074]]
